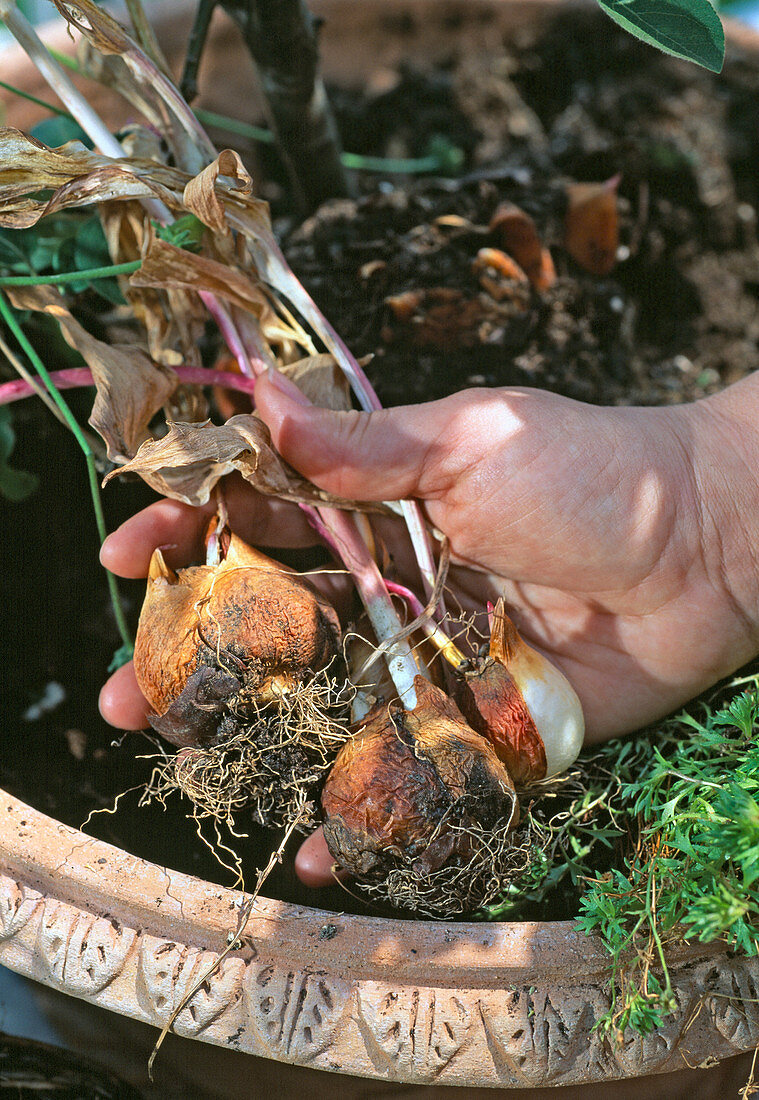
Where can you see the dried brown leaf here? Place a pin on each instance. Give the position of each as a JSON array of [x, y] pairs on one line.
[[200, 196], [130, 387], [322, 382], [173, 319], [165, 266], [518, 235], [76, 175], [189, 461], [101, 29], [592, 225]]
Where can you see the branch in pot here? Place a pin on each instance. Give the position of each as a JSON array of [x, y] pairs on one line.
[[281, 38]]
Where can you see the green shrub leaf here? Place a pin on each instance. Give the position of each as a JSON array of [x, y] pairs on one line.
[[690, 29], [15, 485]]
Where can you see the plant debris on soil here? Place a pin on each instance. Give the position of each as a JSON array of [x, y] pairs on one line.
[[676, 318]]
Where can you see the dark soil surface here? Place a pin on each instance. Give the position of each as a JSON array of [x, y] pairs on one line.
[[676, 318]]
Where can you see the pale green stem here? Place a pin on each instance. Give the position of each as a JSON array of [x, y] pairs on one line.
[[88, 274]]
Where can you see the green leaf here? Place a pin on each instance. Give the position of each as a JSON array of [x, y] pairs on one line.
[[58, 130], [186, 232], [91, 247], [12, 258], [690, 29], [7, 434], [15, 485], [123, 654], [91, 251], [109, 289]]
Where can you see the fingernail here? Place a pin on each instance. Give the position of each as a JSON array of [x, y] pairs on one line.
[[287, 388], [105, 549]]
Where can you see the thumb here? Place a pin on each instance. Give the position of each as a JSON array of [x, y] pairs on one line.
[[386, 455]]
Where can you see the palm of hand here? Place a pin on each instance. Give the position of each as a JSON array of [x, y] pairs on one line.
[[586, 521]]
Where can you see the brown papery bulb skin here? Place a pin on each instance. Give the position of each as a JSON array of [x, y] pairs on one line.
[[494, 706], [393, 791], [246, 624], [523, 704]]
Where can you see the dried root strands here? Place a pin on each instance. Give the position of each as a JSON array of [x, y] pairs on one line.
[[227, 638], [419, 806], [269, 764], [523, 705]]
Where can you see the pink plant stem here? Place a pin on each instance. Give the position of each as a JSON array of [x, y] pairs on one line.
[[341, 534], [339, 531], [428, 626], [272, 260], [232, 337], [81, 376], [413, 601]]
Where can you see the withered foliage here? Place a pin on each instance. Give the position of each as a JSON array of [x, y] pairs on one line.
[[237, 262]]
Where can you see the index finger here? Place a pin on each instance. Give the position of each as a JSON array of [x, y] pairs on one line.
[[177, 528]]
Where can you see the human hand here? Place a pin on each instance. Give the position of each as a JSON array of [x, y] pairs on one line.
[[603, 528], [609, 531]]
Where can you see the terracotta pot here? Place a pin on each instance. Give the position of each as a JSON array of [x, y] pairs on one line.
[[509, 1005]]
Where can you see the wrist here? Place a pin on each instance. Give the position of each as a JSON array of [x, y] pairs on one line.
[[721, 436]]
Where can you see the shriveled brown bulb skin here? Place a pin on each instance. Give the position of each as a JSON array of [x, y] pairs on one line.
[[252, 619], [522, 703], [494, 706], [397, 780]]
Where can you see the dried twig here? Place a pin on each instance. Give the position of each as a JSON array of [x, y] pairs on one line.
[[233, 943]]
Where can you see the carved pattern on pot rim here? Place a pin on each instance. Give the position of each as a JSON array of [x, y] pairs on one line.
[[413, 1033], [543, 1036], [517, 1037], [732, 1002], [294, 1015], [169, 971], [17, 906], [82, 953]]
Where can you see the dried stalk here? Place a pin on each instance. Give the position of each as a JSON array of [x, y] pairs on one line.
[[233, 942], [146, 35]]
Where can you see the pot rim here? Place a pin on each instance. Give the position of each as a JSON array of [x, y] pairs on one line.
[[159, 900]]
